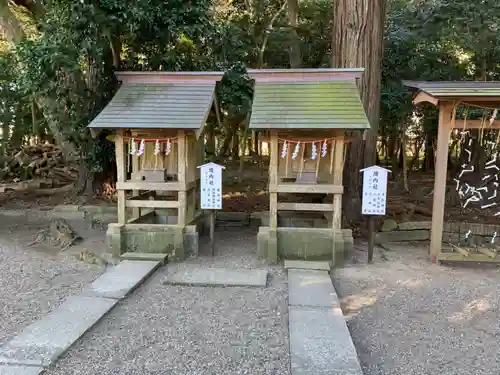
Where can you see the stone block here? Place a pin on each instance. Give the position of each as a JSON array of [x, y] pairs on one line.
[[262, 239], [311, 288], [193, 275], [233, 216], [20, 370], [415, 225], [320, 343], [94, 209], [402, 236], [272, 247], [66, 208], [306, 265], [389, 225], [42, 342], [162, 258], [119, 281]]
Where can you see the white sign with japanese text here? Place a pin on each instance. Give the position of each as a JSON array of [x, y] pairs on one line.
[[374, 190], [211, 186]]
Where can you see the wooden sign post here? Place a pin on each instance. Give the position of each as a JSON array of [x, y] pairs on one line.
[[374, 200], [211, 194]]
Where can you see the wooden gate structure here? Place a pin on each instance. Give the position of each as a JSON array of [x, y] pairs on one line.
[[448, 96]]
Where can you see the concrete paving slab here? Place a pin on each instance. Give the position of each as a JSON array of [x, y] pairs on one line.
[[320, 343], [119, 281], [42, 342], [311, 288], [145, 256], [218, 277], [20, 370], [307, 265]]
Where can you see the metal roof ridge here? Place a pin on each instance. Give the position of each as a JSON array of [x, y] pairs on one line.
[[304, 75], [169, 77]]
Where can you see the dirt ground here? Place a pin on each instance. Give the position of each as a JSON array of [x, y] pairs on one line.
[[38, 278], [407, 316]]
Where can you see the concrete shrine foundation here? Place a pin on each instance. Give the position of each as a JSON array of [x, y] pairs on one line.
[[304, 244], [303, 236], [147, 235]]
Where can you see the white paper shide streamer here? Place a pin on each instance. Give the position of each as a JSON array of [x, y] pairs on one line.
[[133, 147], [169, 147], [324, 149], [494, 116], [141, 148], [314, 151], [296, 151], [157, 148], [284, 150]]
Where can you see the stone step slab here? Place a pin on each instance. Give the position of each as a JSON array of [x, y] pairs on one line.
[[311, 288], [42, 342], [159, 257], [320, 343], [119, 281], [20, 370], [307, 265], [217, 277]]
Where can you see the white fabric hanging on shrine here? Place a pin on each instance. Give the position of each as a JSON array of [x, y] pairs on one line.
[[296, 151]]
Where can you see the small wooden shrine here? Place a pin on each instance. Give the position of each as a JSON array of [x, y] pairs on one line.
[[158, 118], [307, 113], [479, 190]]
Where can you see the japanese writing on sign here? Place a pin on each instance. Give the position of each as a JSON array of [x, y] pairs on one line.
[[211, 186], [374, 190]]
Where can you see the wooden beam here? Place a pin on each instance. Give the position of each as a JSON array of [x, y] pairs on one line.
[[154, 186], [338, 170], [441, 167], [489, 252], [273, 181], [181, 176], [306, 188], [472, 257], [460, 250], [305, 207], [144, 185], [473, 124], [151, 204], [121, 173], [423, 97], [136, 212]]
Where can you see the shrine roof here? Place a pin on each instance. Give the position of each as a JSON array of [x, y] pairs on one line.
[[169, 100], [307, 99]]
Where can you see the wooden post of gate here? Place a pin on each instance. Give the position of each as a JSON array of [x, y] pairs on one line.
[[374, 200], [211, 194]]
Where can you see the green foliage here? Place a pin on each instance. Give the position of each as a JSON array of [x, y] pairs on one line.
[[72, 47]]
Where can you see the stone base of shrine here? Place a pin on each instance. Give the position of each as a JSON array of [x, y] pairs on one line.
[[178, 242], [304, 244]]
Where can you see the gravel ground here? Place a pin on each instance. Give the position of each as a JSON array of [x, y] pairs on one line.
[[408, 316], [181, 330], [33, 282]]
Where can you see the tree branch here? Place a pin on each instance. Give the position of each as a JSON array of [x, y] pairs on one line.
[[267, 31]]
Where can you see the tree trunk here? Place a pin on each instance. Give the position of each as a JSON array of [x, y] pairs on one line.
[[358, 43], [428, 163], [294, 49]]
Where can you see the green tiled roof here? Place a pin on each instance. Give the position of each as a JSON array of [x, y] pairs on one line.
[[308, 105], [182, 106], [456, 88]]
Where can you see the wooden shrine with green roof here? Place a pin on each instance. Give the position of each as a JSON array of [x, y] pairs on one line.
[[158, 118], [307, 113]]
